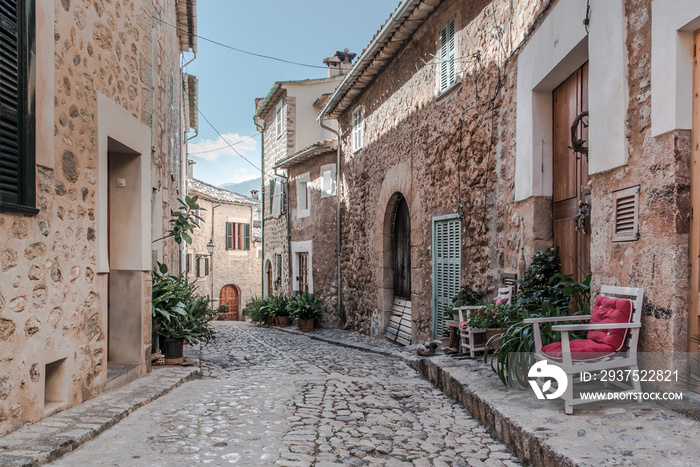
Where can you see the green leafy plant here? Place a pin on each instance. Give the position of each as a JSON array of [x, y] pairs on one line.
[[535, 285], [692, 377], [169, 294], [255, 311], [494, 316], [183, 220], [467, 297], [304, 306], [276, 305], [578, 293], [194, 325]]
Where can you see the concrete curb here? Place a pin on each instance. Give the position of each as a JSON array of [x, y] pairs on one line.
[[58, 434]]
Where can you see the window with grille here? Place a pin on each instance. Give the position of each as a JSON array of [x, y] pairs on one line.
[[626, 215], [357, 130], [17, 185], [237, 236], [448, 47]]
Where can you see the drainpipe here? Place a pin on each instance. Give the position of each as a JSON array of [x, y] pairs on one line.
[[261, 129], [337, 209]]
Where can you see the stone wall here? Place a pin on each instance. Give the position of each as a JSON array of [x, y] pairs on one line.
[[320, 228], [459, 149], [53, 298], [241, 268]]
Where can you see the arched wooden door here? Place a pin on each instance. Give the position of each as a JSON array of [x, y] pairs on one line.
[[229, 296]]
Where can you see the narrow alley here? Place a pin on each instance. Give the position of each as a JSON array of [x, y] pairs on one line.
[[272, 398]]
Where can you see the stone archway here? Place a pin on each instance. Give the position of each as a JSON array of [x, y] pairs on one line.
[[398, 187]]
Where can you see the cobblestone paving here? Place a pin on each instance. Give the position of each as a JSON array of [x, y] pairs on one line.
[[273, 398]]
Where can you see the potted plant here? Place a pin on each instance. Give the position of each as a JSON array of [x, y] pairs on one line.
[[494, 317], [306, 308], [256, 310], [276, 308]]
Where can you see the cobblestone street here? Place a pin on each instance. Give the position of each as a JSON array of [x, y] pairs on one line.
[[273, 398]]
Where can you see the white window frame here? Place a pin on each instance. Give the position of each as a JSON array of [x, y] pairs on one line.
[[447, 54], [279, 112], [328, 187], [302, 247], [358, 123], [303, 195]]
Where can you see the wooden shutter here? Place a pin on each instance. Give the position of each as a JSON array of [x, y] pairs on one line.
[[447, 265], [626, 215], [246, 236], [448, 48], [206, 266], [229, 236], [272, 193], [197, 267], [9, 101], [188, 263]]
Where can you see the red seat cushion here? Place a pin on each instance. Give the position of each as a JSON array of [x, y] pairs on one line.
[[581, 349], [599, 342]]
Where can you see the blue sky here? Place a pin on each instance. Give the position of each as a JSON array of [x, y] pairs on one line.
[[303, 31]]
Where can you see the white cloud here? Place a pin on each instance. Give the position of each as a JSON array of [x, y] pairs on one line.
[[211, 150]]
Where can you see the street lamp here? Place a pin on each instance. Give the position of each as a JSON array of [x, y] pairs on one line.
[[210, 246]]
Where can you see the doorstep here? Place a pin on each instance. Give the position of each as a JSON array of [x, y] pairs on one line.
[[52, 437], [539, 432]]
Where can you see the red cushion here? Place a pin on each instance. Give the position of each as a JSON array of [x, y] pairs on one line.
[[610, 310], [581, 349], [501, 300], [599, 342]]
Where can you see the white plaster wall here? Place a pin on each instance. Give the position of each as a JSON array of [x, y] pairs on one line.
[[559, 47], [308, 130], [672, 25]]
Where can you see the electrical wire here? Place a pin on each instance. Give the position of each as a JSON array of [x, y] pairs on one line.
[[226, 147]]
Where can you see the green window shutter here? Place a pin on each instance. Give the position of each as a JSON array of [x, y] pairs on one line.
[[272, 192], [283, 206], [229, 236], [197, 267], [446, 269], [246, 236], [206, 266]]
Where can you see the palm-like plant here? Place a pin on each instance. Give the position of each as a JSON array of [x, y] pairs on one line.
[[304, 306]]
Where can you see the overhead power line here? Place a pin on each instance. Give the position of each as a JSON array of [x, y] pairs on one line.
[[226, 147]]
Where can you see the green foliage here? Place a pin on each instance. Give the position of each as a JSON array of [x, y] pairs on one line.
[[304, 306], [494, 316], [254, 310], [276, 305], [177, 310], [468, 297], [183, 220], [535, 285], [578, 293], [224, 308], [692, 377]]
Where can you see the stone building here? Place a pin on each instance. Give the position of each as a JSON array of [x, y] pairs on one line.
[[92, 145], [232, 273], [299, 179], [455, 134]]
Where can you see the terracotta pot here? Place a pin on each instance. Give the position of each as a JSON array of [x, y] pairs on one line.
[[283, 321], [305, 325], [173, 351]]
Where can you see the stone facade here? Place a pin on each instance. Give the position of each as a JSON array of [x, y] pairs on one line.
[[284, 234], [238, 267], [103, 117], [457, 153]]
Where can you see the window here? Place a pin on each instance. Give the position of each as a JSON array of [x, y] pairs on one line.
[[303, 278], [357, 129], [303, 195], [278, 266], [278, 120], [237, 236], [327, 180], [626, 215], [448, 46], [202, 266], [206, 265], [17, 185], [278, 200]]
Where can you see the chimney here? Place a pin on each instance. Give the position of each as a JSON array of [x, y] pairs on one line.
[[340, 63], [254, 194]]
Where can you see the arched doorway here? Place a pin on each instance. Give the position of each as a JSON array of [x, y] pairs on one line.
[[401, 250], [230, 296]]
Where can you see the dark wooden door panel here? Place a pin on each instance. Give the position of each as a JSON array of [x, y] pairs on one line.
[[402, 251]]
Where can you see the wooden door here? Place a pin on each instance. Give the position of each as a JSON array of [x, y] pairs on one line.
[[229, 296], [303, 272], [571, 194], [402, 251], [694, 313]]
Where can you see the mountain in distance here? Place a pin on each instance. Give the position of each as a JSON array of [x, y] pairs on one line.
[[243, 188]]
